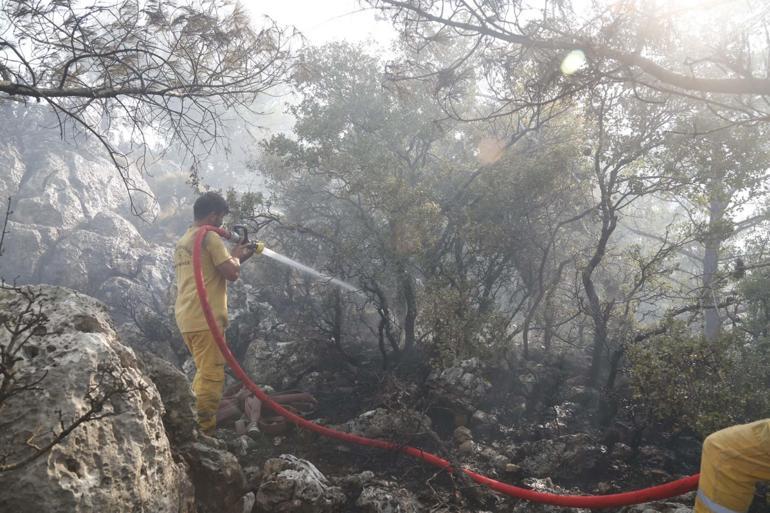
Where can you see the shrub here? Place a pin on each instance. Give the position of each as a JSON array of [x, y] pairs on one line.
[[683, 380]]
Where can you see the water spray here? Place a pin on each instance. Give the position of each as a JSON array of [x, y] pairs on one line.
[[240, 235]]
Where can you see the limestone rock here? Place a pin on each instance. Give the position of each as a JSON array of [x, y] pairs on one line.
[[565, 455], [23, 246], [218, 478], [62, 185], [685, 506], [387, 497], [290, 484], [545, 486], [382, 423], [277, 363], [179, 417], [461, 386], [461, 434], [121, 461], [73, 219], [12, 164]]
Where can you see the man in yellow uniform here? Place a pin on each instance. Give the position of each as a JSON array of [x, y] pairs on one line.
[[219, 266], [732, 462]]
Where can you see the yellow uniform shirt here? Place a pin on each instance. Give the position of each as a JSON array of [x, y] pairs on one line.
[[188, 311]]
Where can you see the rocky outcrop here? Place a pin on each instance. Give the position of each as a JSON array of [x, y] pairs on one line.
[[73, 224], [57, 184], [217, 476], [179, 417], [119, 458], [103, 249]]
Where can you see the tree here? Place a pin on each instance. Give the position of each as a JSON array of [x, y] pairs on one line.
[[353, 184], [536, 55], [440, 223], [139, 71], [725, 172]]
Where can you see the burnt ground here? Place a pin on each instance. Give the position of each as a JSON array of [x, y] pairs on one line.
[[599, 462]]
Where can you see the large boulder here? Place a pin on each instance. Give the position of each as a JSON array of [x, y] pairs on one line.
[[78, 375], [12, 164], [23, 246], [103, 248], [179, 417], [64, 185], [219, 481]]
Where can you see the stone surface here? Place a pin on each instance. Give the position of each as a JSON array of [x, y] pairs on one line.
[[179, 417], [562, 456], [387, 497], [460, 387], [219, 482], [277, 363], [545, 486], [121, 461], [23, 246], [382, 423], [73, 222], [685, 506], [290, 484]]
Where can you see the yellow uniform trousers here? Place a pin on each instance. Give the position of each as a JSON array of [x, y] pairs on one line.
[[209, 378], [732, 462]]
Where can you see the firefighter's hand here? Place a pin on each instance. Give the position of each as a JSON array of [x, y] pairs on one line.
[[242, 252]]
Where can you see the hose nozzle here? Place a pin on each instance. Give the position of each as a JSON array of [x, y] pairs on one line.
[[240, 235]]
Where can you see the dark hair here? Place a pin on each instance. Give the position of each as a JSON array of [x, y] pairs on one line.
[[209, 203]]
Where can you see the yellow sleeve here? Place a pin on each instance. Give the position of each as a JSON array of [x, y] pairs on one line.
[[216, 248]]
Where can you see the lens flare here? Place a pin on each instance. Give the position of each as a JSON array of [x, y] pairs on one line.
[[573, 62], [490, 150]]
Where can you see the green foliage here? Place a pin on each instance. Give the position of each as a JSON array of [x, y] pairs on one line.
[[686, 381], [755, 289]]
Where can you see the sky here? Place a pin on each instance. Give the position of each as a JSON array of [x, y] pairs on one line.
[[321, 21]]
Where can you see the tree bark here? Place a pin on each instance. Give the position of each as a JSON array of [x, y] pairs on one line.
[[410, 319], [712, 323]]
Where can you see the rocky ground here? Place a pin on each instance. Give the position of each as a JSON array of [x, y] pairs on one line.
[[141, 450], [563, 461]]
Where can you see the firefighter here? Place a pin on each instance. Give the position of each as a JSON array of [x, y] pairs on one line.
[[732, 462], [219, 266]]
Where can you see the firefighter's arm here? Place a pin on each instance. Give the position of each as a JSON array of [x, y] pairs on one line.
[[231, 268], [227, 262]]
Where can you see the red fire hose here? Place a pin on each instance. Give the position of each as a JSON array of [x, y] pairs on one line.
[[663, 491]]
